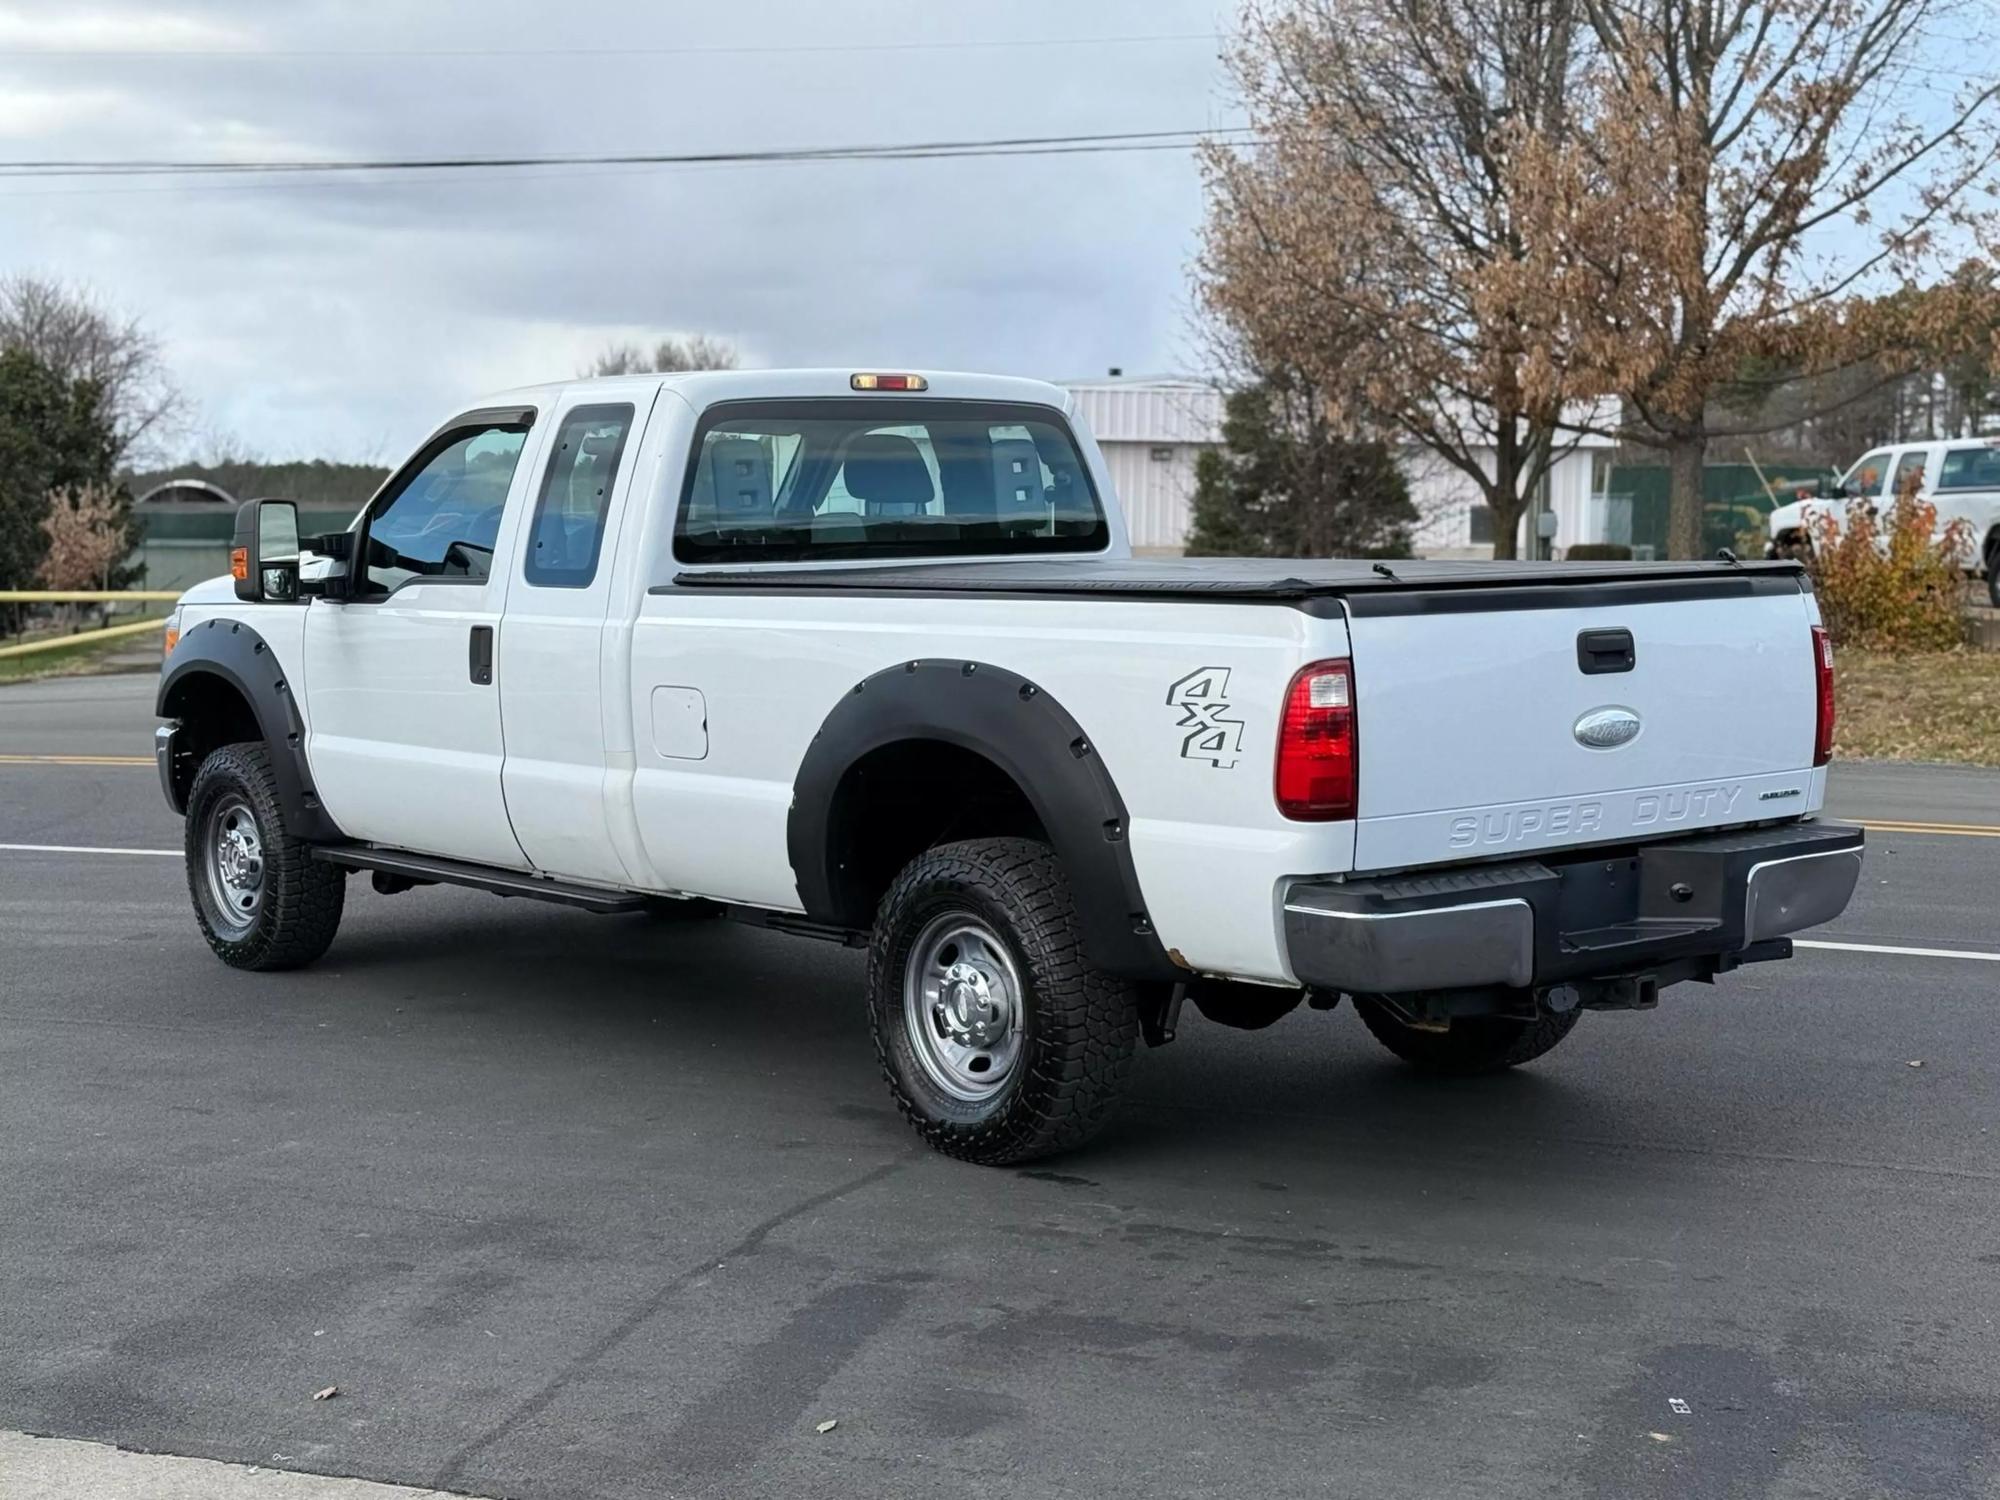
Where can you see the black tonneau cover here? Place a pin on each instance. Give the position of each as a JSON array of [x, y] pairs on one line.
[[1274, 579]]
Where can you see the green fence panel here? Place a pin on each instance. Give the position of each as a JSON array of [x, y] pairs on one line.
[[1734, 505]]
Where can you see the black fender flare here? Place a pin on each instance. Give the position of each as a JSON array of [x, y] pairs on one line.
[[1024, 731], [232, 651]]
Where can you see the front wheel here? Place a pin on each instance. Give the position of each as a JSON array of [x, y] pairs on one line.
[[1470, 1044], [999, 1039], [262, 901]]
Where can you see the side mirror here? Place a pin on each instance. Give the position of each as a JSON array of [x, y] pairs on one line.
[[264, 557]]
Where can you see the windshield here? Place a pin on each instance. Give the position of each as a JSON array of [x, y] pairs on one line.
[[774, 481]]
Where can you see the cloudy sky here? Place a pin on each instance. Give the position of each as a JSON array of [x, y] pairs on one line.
[[339, 317]]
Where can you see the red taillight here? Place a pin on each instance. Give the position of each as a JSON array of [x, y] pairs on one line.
[[1823, 680], [1317, 759]]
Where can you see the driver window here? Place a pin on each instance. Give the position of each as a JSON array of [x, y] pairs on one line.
[[445, 521], [1865, 478]]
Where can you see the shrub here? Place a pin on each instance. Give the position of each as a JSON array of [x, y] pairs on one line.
[[1890, 582], [1598, 552]]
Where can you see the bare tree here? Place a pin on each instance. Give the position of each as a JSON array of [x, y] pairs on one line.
[[1375, 238], [1745, 181], [79, 338], [671, 355]]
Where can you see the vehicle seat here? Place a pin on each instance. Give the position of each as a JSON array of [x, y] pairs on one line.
[[1017, 481], [887, 474], [739, 476]]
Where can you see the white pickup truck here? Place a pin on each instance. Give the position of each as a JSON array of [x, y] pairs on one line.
[[1959, 477], [865, 657]]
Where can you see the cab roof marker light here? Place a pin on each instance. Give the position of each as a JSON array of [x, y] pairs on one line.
[[888, 382]]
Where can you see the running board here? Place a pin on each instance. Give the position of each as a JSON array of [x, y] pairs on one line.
[[478, 877]]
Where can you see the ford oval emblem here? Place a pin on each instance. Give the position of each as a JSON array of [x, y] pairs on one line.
[[1606, 728]]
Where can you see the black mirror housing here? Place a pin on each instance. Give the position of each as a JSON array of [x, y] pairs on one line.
[[264, 555]]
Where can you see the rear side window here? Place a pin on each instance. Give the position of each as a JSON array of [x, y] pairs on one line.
[[776, 481], [1970, 469], [1909, 471], [567, 532]]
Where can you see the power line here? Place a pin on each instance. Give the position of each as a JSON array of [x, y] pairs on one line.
[[256, 53], [1142, 140]]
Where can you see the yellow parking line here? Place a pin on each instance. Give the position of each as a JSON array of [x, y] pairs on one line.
[[76, 760], [1959, 830]]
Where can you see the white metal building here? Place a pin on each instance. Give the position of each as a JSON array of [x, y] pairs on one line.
[[1456, 523], [1151, 427]]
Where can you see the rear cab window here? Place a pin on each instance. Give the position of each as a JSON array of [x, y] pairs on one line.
[[567, 532], [861, 478]]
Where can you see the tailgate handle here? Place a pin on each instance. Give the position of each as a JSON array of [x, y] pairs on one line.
[[1604, 651]]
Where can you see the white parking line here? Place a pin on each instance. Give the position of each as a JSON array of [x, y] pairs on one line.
[[1992, 958], [83, 849]]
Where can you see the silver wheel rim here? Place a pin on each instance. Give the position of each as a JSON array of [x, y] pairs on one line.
[[232, 848], [962, 1007]]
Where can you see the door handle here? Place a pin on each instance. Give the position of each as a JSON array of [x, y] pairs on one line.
[[1604, 651], [481, 655]]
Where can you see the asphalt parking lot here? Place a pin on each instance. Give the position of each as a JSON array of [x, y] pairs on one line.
[[586, 1206]]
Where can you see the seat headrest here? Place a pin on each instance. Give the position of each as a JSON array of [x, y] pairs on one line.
[[739, 471], [886, 469]]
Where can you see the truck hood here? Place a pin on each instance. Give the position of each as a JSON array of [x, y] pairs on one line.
[[219, 590]]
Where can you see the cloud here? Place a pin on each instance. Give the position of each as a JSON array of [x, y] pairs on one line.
[[344, 316]]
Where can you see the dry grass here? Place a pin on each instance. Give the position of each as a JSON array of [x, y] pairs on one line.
[[1944, 706], [84, 659]]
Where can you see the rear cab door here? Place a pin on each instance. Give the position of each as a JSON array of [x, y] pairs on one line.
[[556, 682]]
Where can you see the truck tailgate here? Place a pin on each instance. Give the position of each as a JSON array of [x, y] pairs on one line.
[[1504, 721]]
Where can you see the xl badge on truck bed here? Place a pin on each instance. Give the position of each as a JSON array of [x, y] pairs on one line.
[[1201, 696]]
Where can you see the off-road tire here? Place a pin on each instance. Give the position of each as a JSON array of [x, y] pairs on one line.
[[302, 898], [1473, 1044], [1080, 1025]]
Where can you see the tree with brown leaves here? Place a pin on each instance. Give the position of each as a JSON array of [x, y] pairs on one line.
[[1747, 184], [1373, 238]]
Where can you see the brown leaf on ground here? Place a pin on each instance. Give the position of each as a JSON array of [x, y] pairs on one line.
[[1940, 706]]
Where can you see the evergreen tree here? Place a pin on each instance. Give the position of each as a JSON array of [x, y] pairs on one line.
[[1286, 484]]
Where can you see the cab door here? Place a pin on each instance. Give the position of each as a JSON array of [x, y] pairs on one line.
[[404, 719], [553, 665]]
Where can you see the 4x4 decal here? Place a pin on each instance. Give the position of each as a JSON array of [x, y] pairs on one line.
[[1202, 698]]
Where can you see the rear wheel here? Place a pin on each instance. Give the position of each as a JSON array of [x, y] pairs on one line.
[[1470, 1044], [262, 901], [1993, 569], [998, 1038]]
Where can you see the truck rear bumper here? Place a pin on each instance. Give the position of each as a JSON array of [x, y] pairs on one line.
[[1530, 923]]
